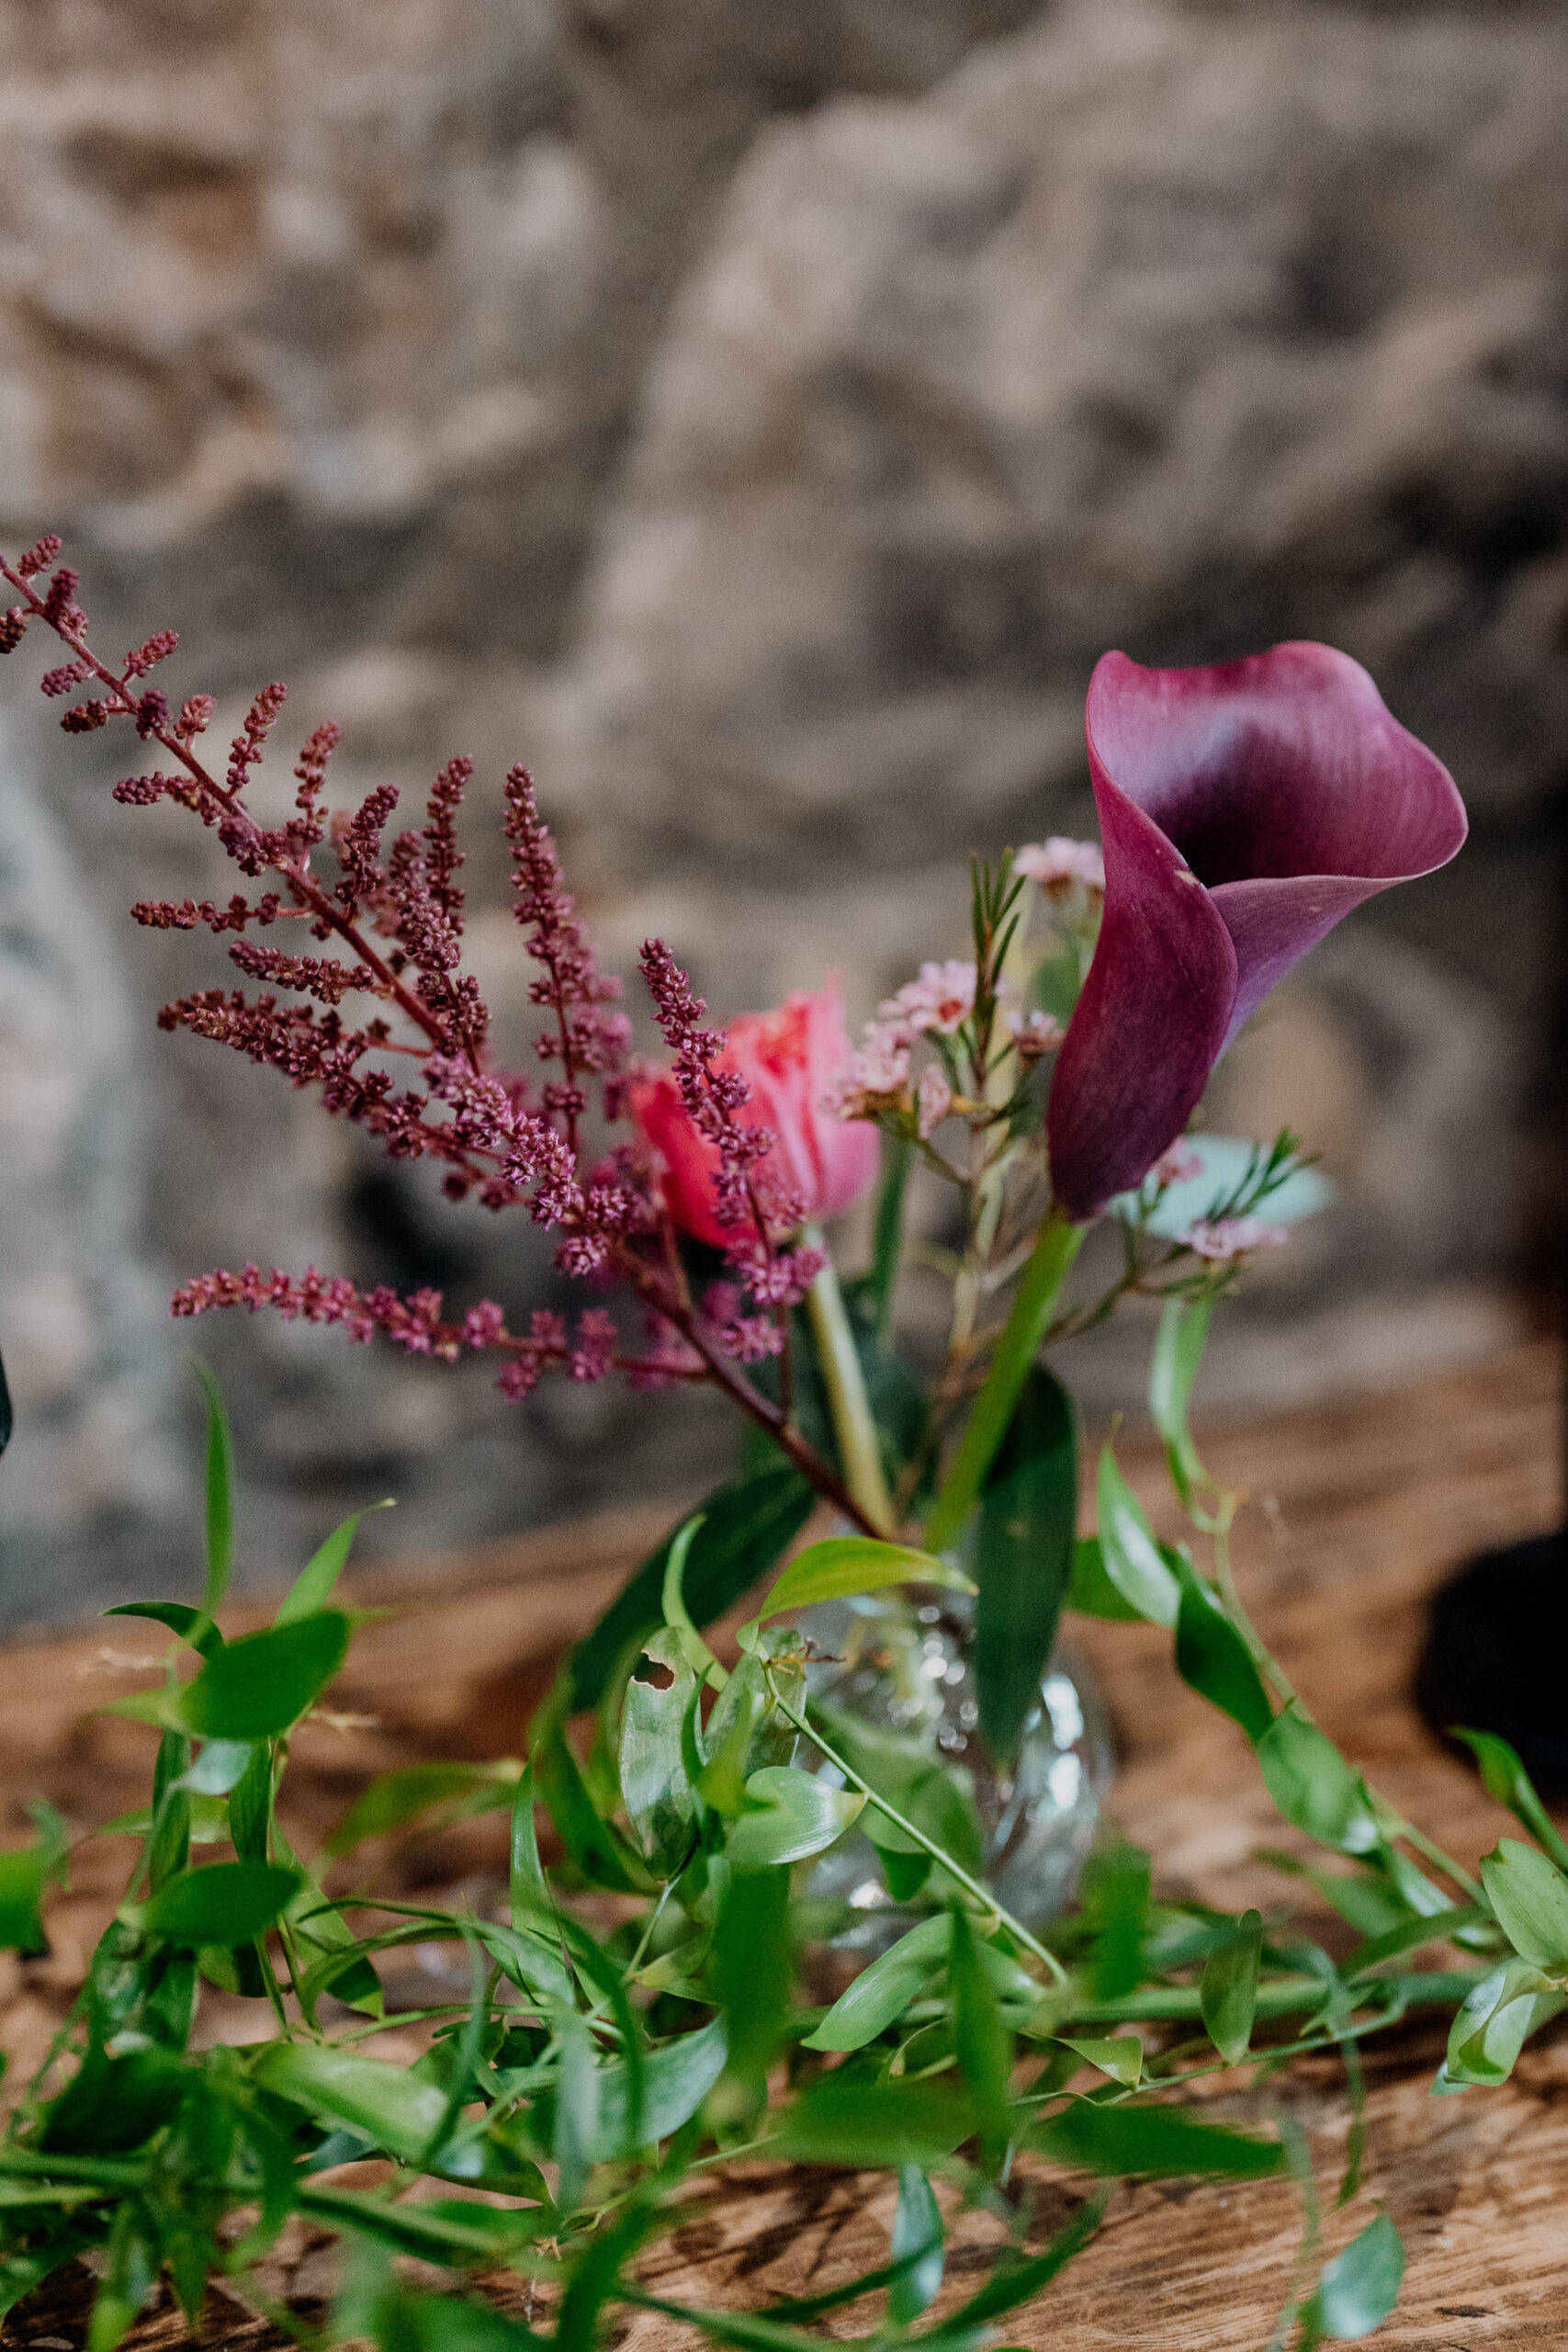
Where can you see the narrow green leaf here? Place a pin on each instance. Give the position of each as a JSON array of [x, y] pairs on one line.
[[1019, 2283], [314, 1588], [984, 2046], [1025, 1558], [1119, 2056], [660, 1802], [575, 2132], [24, 1875], [592, 1843], [1360, 2287], [916, 2238], [179, 1617], [1091, 1592], [1530, 1898], [531, 1899], [677, 2077], [746, 1524], [1431, 1928], [1495, 2020], [258, 1686], [221, 1767], [1505, 1778], [224, 1903], [1173, 1367], [1115, 1895], [219, 1494], [842, 2119], [1227, 1994], [842, 1564], [168, 1848], [887, 1240], [1212, 1657], [1313, 1786], [1130, 1558], [386, 2102], [1162, 2141], [884, 1990], [797, 1815], [394, 1799], [754, 1961]]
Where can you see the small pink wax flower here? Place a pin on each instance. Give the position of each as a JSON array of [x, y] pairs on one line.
[[938, 1003], [1055, 864], [818, 1163], [1228, 1237]]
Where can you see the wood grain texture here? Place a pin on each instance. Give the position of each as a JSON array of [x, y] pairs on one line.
[[1359, 1511]]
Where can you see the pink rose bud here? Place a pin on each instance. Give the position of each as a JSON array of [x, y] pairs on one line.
[[791, 1060]]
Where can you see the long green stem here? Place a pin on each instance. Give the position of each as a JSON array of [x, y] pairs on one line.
[[983, 1895], [1022, 1335], [859, 1453]]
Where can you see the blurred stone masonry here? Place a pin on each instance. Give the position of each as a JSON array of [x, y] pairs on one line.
[[759, 419]]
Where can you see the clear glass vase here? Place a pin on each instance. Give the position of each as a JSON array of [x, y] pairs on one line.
[[903, 1664]]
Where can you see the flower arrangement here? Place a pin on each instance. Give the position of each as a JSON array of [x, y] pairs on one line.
[[574, 2105]]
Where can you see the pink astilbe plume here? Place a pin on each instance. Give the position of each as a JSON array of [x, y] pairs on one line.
[[395, 1036]]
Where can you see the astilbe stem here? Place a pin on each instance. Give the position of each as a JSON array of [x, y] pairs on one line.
[[398, 912]]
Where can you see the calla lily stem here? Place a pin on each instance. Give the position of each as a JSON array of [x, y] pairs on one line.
[[859, 1453], [1023, 1337]]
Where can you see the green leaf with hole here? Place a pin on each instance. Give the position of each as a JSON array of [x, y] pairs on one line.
[[1212, 1657], [1360, 2288], [225, 1903], [1227, 1992], [791, 1815], [1162, 2141], [1313, 1786], [1129, 1554], [1023, 1560], [1530, 1899], [259, 1686], [842, 1566], [660, 1802], [746, 1525]]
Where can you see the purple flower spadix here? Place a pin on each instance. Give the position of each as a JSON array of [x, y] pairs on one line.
[[1244, 810]]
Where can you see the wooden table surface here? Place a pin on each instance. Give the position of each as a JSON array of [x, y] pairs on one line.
[[1360, 1510]]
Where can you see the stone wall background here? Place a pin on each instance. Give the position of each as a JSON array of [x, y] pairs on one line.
[[759, 419]]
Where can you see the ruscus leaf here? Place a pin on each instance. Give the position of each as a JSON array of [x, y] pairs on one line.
[[797, 1814], [1130, 1558], [1212, 1657], [1023, 1563], [1529, 1896], [1360, 2287], [1228, 1993], [223, 1903], [844, 1564], [256, 1686]]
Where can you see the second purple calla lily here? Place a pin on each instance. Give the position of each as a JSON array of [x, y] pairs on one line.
[[1243, 810]]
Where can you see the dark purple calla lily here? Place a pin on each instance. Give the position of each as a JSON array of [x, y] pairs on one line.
[[1244, 810]]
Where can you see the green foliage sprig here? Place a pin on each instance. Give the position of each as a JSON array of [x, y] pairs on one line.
[[568, 2109]]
